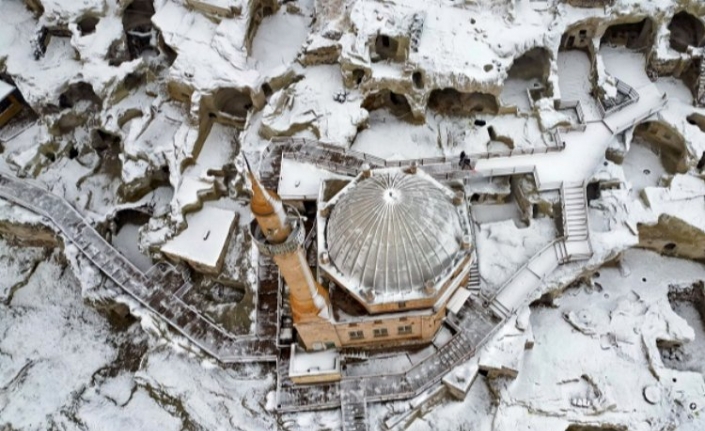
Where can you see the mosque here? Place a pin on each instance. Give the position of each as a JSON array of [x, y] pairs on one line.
[[393, 246]]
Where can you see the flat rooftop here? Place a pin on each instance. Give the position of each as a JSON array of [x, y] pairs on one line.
[[205, 239]]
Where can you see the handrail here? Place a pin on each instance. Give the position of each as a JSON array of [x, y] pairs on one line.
[[323, 147], [113, 275], [632, 96]]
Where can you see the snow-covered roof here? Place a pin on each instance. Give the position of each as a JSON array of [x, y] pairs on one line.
[[393, 232], [301, 181], [5, 89], [205, 239]]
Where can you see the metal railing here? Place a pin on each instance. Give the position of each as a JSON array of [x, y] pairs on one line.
[[374, 161], [122, 263], [630, 94], [662, 103]]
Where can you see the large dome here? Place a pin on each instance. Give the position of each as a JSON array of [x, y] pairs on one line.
[[393, 232]]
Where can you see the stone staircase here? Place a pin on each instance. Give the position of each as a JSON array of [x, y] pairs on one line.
[[353, 405], [561, 251], [474, 278], [499, 309], [575, 222]]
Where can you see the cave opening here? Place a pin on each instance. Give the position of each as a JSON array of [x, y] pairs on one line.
[[633, 35], [450, 101], [686, 30]]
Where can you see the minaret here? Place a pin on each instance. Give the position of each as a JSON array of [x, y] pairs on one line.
[[283, 238]]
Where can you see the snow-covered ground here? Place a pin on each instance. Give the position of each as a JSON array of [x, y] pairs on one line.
[[65, 365], [116, 131]]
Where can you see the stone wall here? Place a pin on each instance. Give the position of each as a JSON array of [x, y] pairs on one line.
[[672, 236], [590, 3], [668, 142]]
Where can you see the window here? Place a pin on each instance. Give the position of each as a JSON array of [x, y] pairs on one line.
[[401, 304], [385, 41], [356, 335], [583, 33], [405, 330], [380, 332], [330, 345]]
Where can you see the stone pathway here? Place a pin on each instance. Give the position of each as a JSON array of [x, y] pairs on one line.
[[155, 291]]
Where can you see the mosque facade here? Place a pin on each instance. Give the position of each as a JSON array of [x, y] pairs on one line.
[[392, 247]]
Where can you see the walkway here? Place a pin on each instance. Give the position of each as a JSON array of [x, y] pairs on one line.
[[353, 405], [564, 166], [476, 327], [159, 291], [573, 246], [565, 169]]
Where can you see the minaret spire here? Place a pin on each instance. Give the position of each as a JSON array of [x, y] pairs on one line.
[[268, 209], [281, 236]]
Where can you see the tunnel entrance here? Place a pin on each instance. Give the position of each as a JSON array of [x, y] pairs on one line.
[[637, 35], [528, 75], [76, 93], [386, 99], [232, 103], [686, 30], [533, 64], [387, 48], [87, 24], [137, 22], [450, 101]]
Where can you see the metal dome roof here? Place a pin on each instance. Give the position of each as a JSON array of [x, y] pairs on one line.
[[393, 232]]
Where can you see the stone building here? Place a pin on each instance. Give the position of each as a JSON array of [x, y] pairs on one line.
[[393, 247]]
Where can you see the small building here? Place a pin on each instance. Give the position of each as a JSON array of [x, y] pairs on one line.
[[314, 367], [204, 241], [9, 104]]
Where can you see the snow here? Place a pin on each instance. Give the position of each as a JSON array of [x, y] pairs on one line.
[[302, 181], [217, 49], [392, 138], [127, 242], [141, 411], [62, 365], [574, 81], [5, 90], [682, 199], [210, 228], [305, 363], [642, 167], [51, 347], [278, 40], [503, 248], [514, 93], [626, 65], [309, 104], [628, 307]]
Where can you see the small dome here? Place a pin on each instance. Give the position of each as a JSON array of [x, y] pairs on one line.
[[392, 233]]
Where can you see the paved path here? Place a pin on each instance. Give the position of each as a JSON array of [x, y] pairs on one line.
[[475, 328], [353, 405], [574, 245], [565, 170], [156, 291]]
